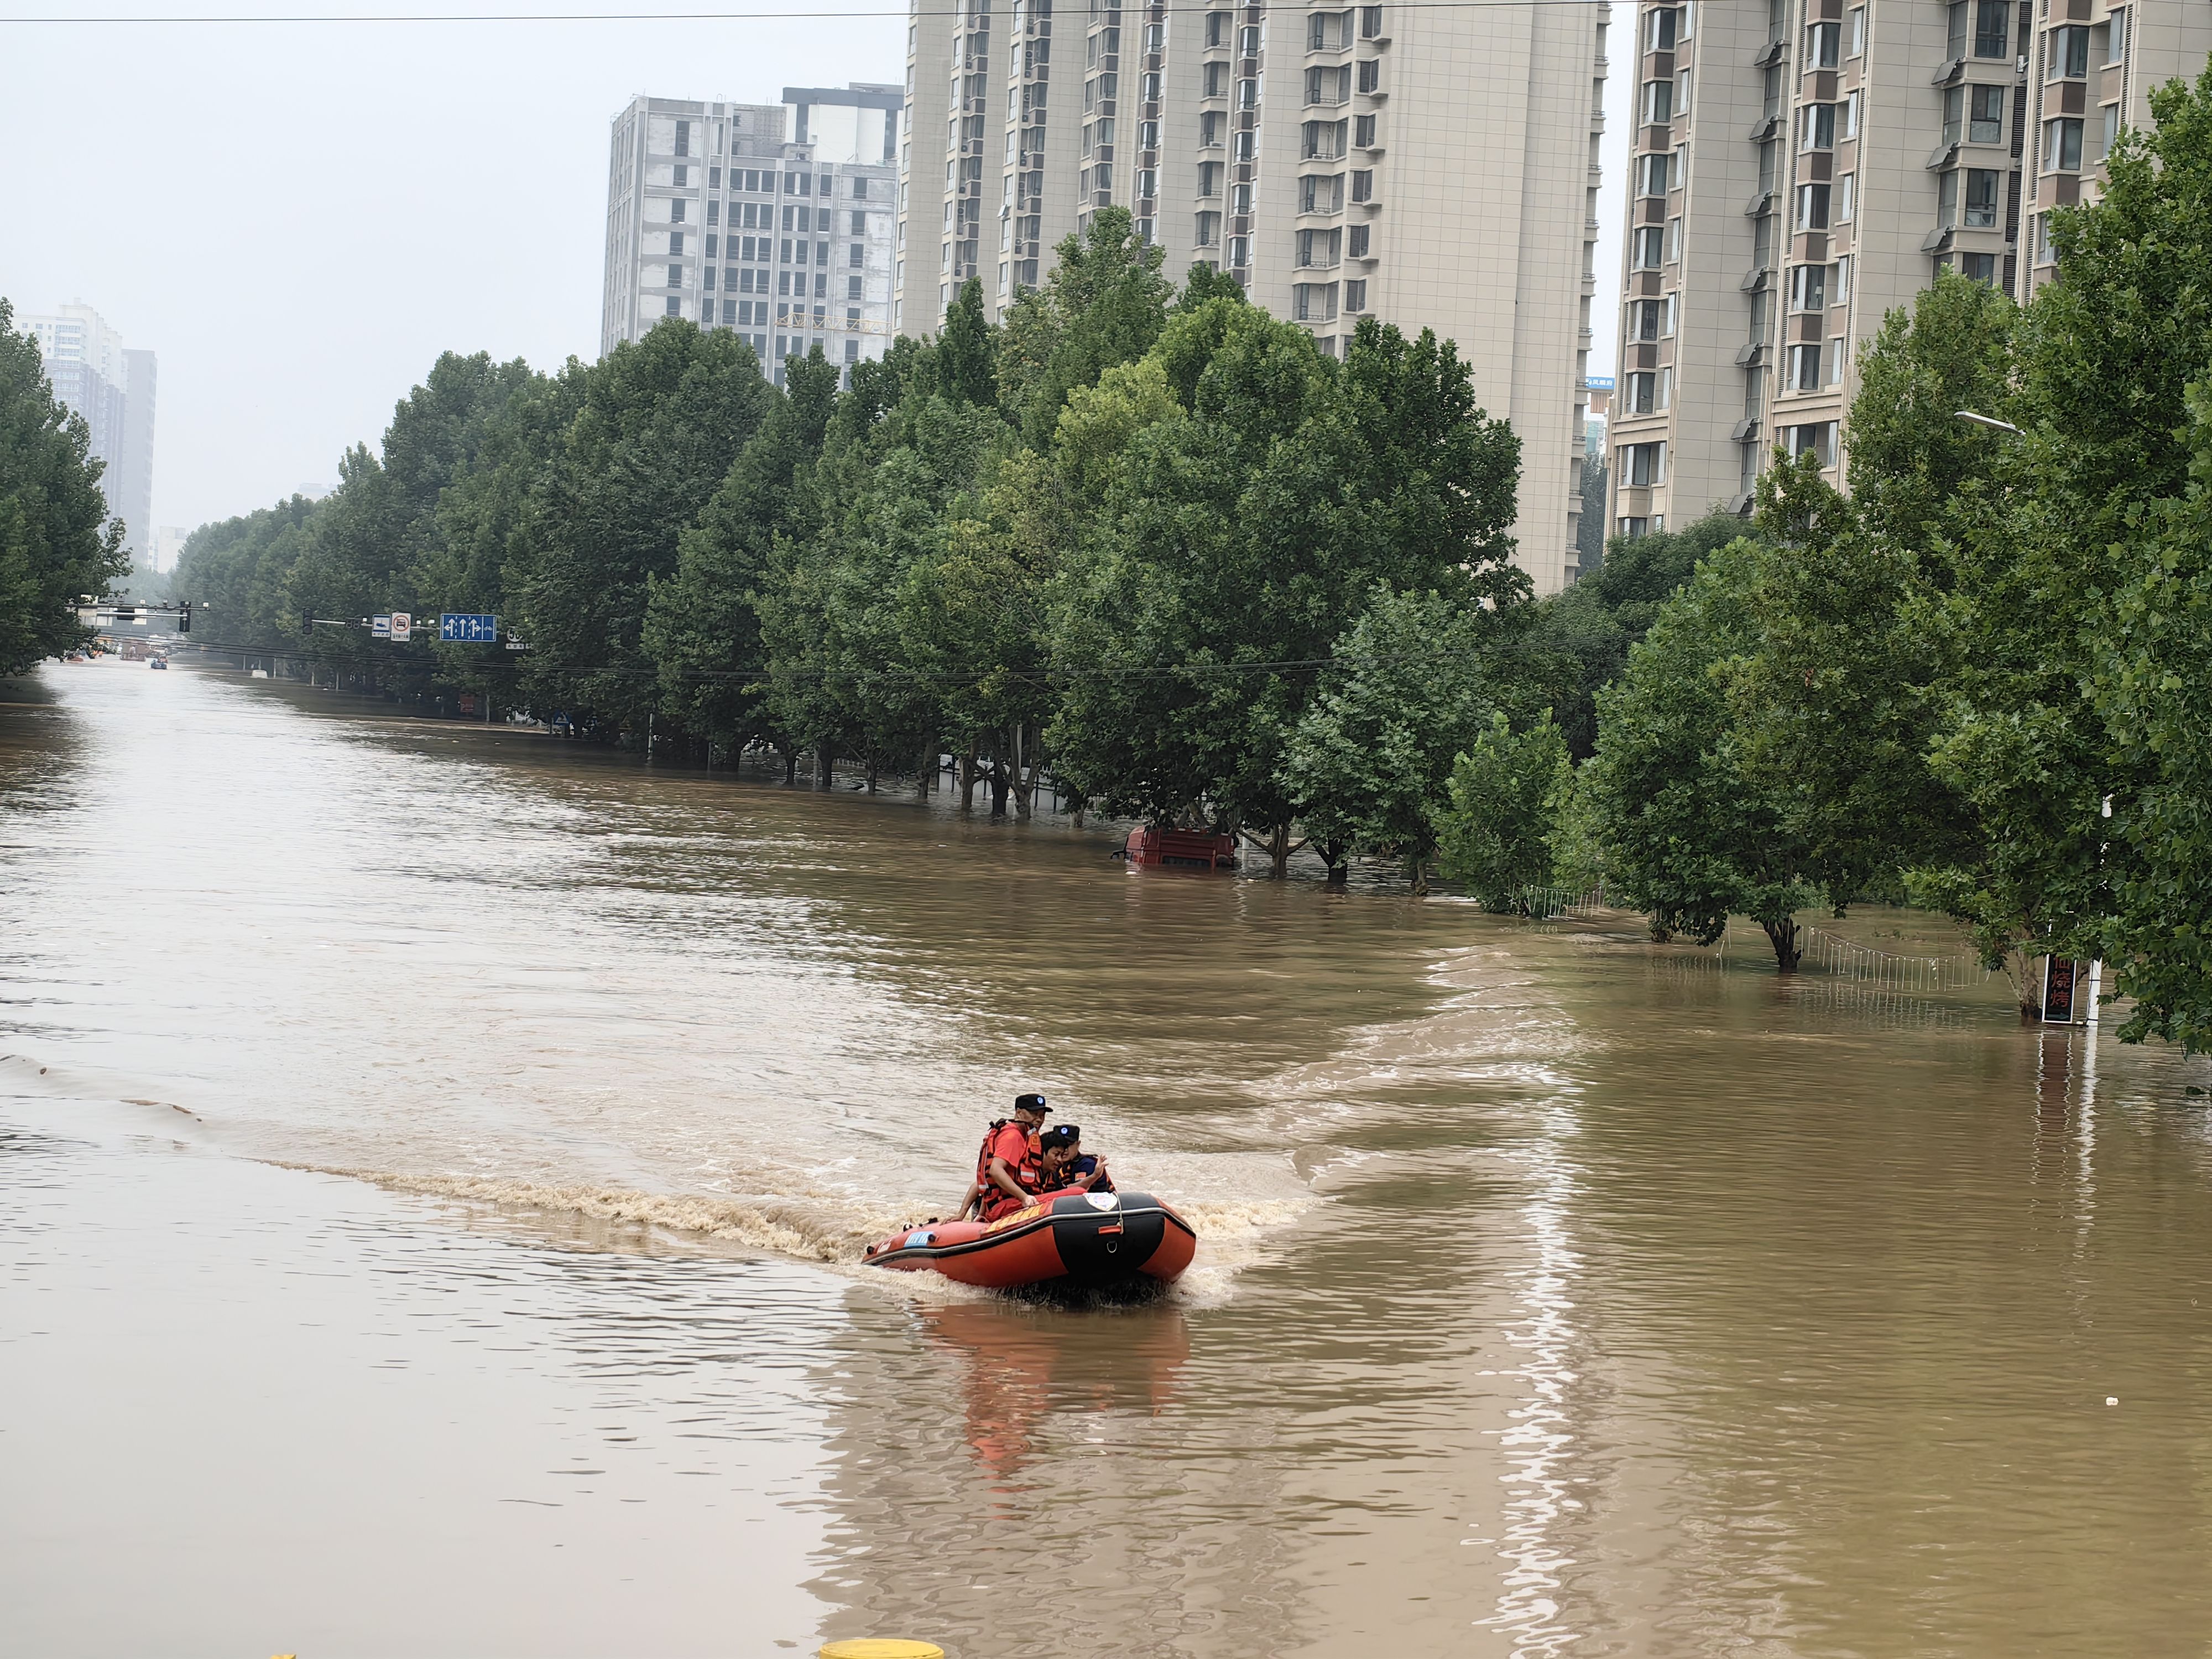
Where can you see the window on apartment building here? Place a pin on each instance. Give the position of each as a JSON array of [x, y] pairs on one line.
[[1363, 132], [1322, 32], [713, 213], [2069, 52], [1954, 40], [1772, 105], [1812, 207], [1985, 112], [1240, 252], [1640, 393], [1355, 296], [1682, 93], [1241, 147], [675, 241], [1214, 80], [1321, 193], [1808, 288], [1370, 22], [1659, 27], [2116, 41], [1816, 126], [1320, 248], [2109, 134], [1855, 34], [1643, 466], [1209, 126], [1991, 20], [1840, 292], [1674, 241], [1823, 45], [1205, 232], [706, 276], [1651, 174], [675, 210], [853, 287], [1981, 205], [1648, 248], [2062, 146], [1658, 102], [1804, 368], [675, 306], [1371, 74], [1846, 197], [1644, 320], [1847, 117], [1313, 303], [1813, 438], [1217, 29], [1979, 268], [1148, 134], [1363, 186], [1946, 200], [1356, 242], [1248, 41], [683, 137], [1321, 141], [676, 275], [1769, 157], [1328, 86], [1209, 177], [1247, 93]]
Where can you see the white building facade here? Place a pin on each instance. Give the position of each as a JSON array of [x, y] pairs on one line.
[[93, 374], [1432, 167], [776, 221]]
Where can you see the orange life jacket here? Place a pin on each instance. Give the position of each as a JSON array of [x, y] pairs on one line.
[[1025, 1171]]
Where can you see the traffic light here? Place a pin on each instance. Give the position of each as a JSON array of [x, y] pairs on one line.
[[184, 617]]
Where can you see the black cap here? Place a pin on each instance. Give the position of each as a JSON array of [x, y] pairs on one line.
[[1030, 1103], [1060, 1134]]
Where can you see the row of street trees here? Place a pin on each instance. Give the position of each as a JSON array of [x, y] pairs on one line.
[[1985, 675], [1214, 577], [1153, 538], [57, 542]]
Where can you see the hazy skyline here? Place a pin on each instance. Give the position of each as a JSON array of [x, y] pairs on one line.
[[299, 217]]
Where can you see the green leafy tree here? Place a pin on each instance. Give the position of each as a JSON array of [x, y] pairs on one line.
[[1694, 830], [1370, 758], [1505, 798], [660, 422], [57, 542], [1104, 303]]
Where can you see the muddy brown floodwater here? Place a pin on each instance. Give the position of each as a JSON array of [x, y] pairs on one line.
[[432, 1161]]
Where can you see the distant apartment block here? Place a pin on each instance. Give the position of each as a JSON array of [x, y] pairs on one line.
[[1432, 166], [95, 375], [1802, 167], [773, 219]]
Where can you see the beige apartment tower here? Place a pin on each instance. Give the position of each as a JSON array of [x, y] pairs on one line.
[[1802, 167], [1435, 166]]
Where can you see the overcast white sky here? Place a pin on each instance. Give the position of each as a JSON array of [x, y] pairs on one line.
[[298, 218]]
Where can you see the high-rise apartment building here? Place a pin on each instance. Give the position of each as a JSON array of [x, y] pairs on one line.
[[1435, 166], [775, 219], [1803, 168], [2095, 65], [93, 374]]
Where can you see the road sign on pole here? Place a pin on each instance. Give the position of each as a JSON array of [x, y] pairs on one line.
[[468, 627], [379, 626], [402, 625]]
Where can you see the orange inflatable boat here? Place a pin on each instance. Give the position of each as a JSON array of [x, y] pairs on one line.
[[1075, 1239]]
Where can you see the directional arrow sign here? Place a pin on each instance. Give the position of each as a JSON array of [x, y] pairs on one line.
[[468, 627]]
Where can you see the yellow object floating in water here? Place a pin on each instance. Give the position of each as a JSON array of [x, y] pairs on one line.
[[877, 1648]]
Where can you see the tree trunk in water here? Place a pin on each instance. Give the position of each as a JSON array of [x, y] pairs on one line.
[[1785, 936], [1658, 931], [872, 777], [998, 786], [926, 772], [825, 766], [790, 768], [967, 780], [1021, 783], [1420, 877], [1278, 851]]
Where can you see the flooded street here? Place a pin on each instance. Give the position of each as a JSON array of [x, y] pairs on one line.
[[433, 1161]]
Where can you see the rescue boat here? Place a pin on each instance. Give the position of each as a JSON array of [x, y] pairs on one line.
[[1076, 1239]]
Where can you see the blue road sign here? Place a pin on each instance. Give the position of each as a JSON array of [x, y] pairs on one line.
[[468, 627]]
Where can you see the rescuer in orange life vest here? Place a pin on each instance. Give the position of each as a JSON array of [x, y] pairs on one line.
[[1006, 1171]]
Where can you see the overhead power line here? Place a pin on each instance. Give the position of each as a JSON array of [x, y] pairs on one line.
[[764, 16]]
